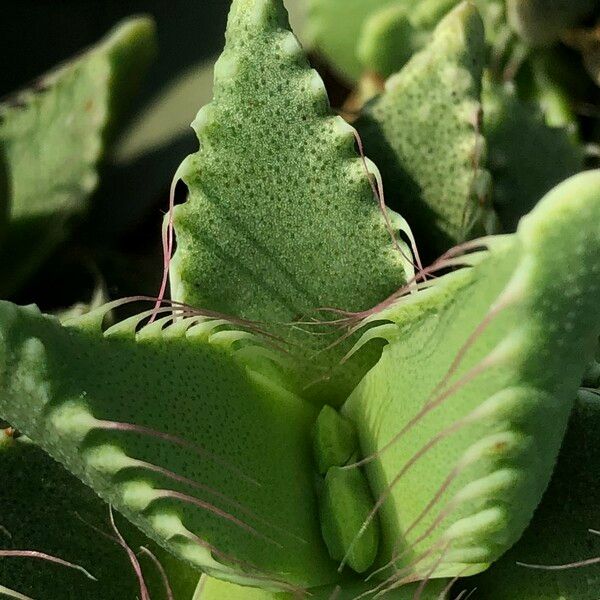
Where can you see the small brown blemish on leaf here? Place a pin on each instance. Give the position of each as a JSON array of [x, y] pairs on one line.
[[500, 447]]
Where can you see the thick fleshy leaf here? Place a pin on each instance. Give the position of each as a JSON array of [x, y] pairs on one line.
[[338, 44], [45, 509], [213, 589], [526, 157], [541, 22], [53, 136], [463, 416], [185, 429], [281, 218], [423, 134], [389, 38], [379, 37], [564, 530]]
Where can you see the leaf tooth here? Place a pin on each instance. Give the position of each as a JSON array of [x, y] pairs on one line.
[[93, 320], [344, 136], [127, 328], [179, 327], [226, 68], [169, 526], [108, 459], [73, 419], [137, 494], [153, 330], [289, 46], [497, 481], [316, 85], [205, 125], [204, 329], [227, 338], [249, 352]]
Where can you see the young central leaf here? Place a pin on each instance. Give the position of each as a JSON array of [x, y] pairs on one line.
[[281, 218], [464, 434]]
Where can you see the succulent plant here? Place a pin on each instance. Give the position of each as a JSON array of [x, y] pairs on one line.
[[373, 377]]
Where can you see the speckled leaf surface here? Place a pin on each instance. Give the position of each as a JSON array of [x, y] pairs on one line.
[[526, 157], [423, 134], [46, 509], [226, 485], [281, 218], [559, 534], [53, 136], [471, 427]]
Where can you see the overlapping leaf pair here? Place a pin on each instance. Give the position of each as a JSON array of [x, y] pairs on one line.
[[292, 282]]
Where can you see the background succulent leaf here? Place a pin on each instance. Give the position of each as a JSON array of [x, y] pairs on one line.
[[555, 79], [541, 22], [423, 134], [46, 509], [526, 157], [53, 136], [559, 533], [214, 389], [379, 37], [477, 421], [388, 39], [145, 156], [339, 44]]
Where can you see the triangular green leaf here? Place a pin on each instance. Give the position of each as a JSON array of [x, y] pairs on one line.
[[53, 136], [467, 408], [423, 133], [45, 509], [227, 484], [281, 218]]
